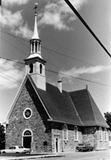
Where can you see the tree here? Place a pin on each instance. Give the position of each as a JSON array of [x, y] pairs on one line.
[[2, 136], [108, 118]]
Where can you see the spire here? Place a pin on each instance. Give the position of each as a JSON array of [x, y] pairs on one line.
[[35, 41], [35, 33]]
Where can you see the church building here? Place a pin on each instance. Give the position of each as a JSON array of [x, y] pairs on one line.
[[47, 118]]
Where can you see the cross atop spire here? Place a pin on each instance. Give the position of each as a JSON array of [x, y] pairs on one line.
[[35, 33], [36, 5]]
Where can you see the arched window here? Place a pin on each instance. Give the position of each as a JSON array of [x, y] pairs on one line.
[[75, 133], [32, 47], [100, 134], [27, 133], [36, 46], [40, 68], [65, 132], [31, 68]]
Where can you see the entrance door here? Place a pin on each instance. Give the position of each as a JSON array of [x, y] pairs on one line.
[[57, 143], [27, 142], [57, 147], [27, 139]]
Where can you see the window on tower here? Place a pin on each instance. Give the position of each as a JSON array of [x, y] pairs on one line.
[[40, 68], [36, 47], [39, 47], [31, 68], [32, 47]]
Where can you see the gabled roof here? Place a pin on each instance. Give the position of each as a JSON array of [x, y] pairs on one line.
[[87, 109], [58, 105], [76, 108]]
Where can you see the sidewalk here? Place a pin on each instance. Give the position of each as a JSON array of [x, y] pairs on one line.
[[94, 155], [32, 156]]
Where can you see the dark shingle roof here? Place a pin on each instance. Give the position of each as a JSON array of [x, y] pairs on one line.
[[77, 108], [87, 109], [59, 105]]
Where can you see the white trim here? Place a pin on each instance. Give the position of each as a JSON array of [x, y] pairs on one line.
[[27, 129], [25, 111], [16, 97]]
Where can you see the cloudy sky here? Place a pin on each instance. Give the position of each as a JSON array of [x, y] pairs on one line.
[[69, 49]]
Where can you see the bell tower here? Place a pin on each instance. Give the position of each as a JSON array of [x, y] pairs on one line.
[[35, 64]]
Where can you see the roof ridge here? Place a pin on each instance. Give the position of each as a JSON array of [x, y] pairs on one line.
[[92, 101], [35, 88], [75, 109], [77, 90], [90, 98]]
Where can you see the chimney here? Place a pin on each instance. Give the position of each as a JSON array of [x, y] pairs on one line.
[[60, 85]]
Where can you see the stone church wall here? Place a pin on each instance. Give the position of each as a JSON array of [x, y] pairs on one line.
[[91, 135], [41, 135], [68, 145]]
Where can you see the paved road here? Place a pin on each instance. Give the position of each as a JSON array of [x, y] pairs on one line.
[[96, 155]]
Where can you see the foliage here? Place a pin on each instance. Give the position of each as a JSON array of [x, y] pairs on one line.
[[2, 136], [108, 118]]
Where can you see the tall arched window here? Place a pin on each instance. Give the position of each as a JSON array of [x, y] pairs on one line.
[[40, 68], [65, 132], [75, 133], [100, 134], [32, 47], [36, 46]]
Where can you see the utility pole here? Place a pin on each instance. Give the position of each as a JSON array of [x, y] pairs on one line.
[[86, 25]]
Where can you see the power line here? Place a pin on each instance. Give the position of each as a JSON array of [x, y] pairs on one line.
[[52, 50], [57, 52], [55, 72], [16, 61], [60, 53], [74, 77], [86, 25], [62, 74]]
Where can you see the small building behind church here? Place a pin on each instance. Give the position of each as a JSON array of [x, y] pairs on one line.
[[47, 118]]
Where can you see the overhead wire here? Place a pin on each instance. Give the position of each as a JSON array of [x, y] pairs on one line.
[[55, 51], [63, 75], [68, 75], [87, 26], [52, 71]]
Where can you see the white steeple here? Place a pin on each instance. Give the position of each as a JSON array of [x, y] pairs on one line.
[[35, 64], [35, 33], [35, 41]]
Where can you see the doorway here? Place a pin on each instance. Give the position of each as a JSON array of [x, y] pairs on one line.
[[57, 147], [57, 143], [27, 139]]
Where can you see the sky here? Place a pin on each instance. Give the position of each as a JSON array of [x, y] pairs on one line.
[[72, 54]]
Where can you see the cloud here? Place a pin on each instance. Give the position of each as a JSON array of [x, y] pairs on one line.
[[10, 74], [11, 19], [15, 22], [76, 72], [24, 31], [14, 2], [58, 14]]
